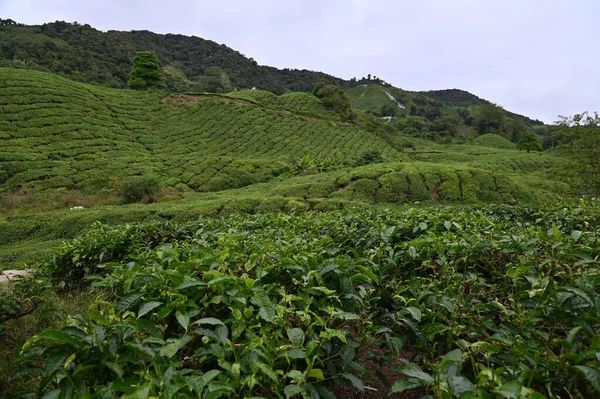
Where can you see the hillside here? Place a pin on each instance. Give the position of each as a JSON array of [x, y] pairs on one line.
[[462, 98], [89, 55], [189, 63], [62, 134]]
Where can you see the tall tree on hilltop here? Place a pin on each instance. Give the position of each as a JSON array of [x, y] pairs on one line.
[[145, 73]]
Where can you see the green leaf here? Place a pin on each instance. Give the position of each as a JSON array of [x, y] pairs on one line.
[[316, 373], [292, 390], [58, 336], [147, 326], [414, 371], [369, 273], [511, 390], [450, 358], [183, 318], [210, 320], [591, 375], [575, 234], [190, 283], [198, 383], [296, 375], [55, 360], [126, 302], [266, 308], [460, 385], [405, 384], [115, 368], [576, 291], [414, 312], [173, 346], [572, 334], [268, 372], [328, 268], [354, 380], [296, 335], [293, 354], [147, 307], [140, 393], [52, 394]]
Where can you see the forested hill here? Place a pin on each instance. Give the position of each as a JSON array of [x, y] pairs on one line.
[[189, 63], [462, 98], [86, 54]]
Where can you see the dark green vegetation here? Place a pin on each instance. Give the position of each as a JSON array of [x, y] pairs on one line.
[[261, 258], [145, 72], [492, 302], [85, 54]]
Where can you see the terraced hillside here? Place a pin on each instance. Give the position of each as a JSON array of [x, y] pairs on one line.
[[57, 133]]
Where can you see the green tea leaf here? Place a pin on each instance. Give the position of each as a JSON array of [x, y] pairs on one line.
[[210, 320], [266, 308], [183, 318], [414, 371], [147, 307], [405, 384], [58, 336], [511, 390], [293, 354], [591, 375], [316, 373], [296, 335], [292, 390], [268, 372], [126, 302], [414, 312], [354, 380]]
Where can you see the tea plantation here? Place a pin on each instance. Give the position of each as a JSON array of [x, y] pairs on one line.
[[286, 252]]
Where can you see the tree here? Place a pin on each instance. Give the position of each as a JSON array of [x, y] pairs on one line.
[[145, 72], [490, 119], [514, 129], [333, 97], [580, 141], [530, 142]]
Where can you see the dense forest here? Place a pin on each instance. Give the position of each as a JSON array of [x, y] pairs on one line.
[[86, 54]]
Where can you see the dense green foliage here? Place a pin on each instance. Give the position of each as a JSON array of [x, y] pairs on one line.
[[138, 188], [580, 141], [464, 99], [83, 53], [280, 306], [145, 72], [334, 98], [530, 142]]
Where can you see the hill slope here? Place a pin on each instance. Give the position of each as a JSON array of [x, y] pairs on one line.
[[87, 54], [60, 133]]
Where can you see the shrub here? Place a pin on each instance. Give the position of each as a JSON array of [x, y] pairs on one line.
[[139, 188]]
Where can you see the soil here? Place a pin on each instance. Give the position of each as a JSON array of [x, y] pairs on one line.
[[374, 387]]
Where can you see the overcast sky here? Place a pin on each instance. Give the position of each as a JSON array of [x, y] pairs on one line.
[[540, 58]]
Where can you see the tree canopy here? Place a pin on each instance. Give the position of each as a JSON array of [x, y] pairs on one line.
[[530, 142], [145, 73], [333, 97]]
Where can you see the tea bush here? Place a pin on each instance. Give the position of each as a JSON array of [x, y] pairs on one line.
[[497, 301]]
